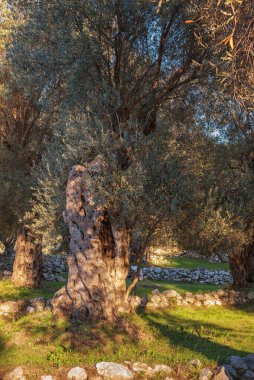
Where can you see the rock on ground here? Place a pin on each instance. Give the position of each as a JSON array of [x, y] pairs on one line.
[[237, 362], [77, 373], [195, 363], [161, 368], [249, 360], [205, 374], [225, 372], [113, 371], [16, 374]]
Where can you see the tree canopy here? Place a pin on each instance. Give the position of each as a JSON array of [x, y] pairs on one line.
[[161, 92]]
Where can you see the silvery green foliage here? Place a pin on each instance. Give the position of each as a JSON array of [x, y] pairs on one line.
[[48, 200], [15, 191], [176, 177]]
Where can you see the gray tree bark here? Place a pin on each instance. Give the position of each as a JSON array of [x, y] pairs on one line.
[[27, 269], [99, 252], [242, 267]]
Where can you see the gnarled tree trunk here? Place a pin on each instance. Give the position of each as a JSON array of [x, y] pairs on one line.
[[242, 267], [27, 269], [99, 253]]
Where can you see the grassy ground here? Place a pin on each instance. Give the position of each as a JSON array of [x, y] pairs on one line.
[[189, 263], [8, 292], [144, 287], [173, 336]]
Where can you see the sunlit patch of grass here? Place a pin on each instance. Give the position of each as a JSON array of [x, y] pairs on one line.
[[191, 263], [214, 333], [8, 292], [146, 286]]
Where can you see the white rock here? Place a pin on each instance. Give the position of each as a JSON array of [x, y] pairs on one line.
[[170, 293], [7, 273], [225, 372], [17, 374], [195, 363], [77, 373], [30, 309], [161, 368], [209, 303], [113, 371], [140, 367], [205, 374], [47, 377]]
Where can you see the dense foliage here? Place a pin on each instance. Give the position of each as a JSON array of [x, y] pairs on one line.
[[130, 82]]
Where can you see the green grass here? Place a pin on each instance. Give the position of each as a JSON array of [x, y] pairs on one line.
[[146, 286], [189, 263], [173, 336], [210, 333], [8, 292]]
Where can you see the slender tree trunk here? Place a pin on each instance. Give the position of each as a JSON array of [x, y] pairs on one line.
[[99, 253], [242, 267], [27, 269]]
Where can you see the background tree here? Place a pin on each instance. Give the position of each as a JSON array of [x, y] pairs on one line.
[[24, 129], [227, 31]]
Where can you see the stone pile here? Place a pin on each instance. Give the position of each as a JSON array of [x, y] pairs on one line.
[[53, 266], [105, 370], [14, 309], [203, 276], [157, 300], [222, 258], [237, 369]]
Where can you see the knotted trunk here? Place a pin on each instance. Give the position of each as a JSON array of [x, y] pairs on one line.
[[99, 253], [27, 269], [242, 267]]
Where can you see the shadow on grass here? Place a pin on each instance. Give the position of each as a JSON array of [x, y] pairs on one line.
[[199, 338], [77, 335]]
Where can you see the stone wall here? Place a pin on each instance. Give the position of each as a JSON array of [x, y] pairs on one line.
[[53, 266], [155, 300], [238, 368], [203, 276], [161, 300]]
